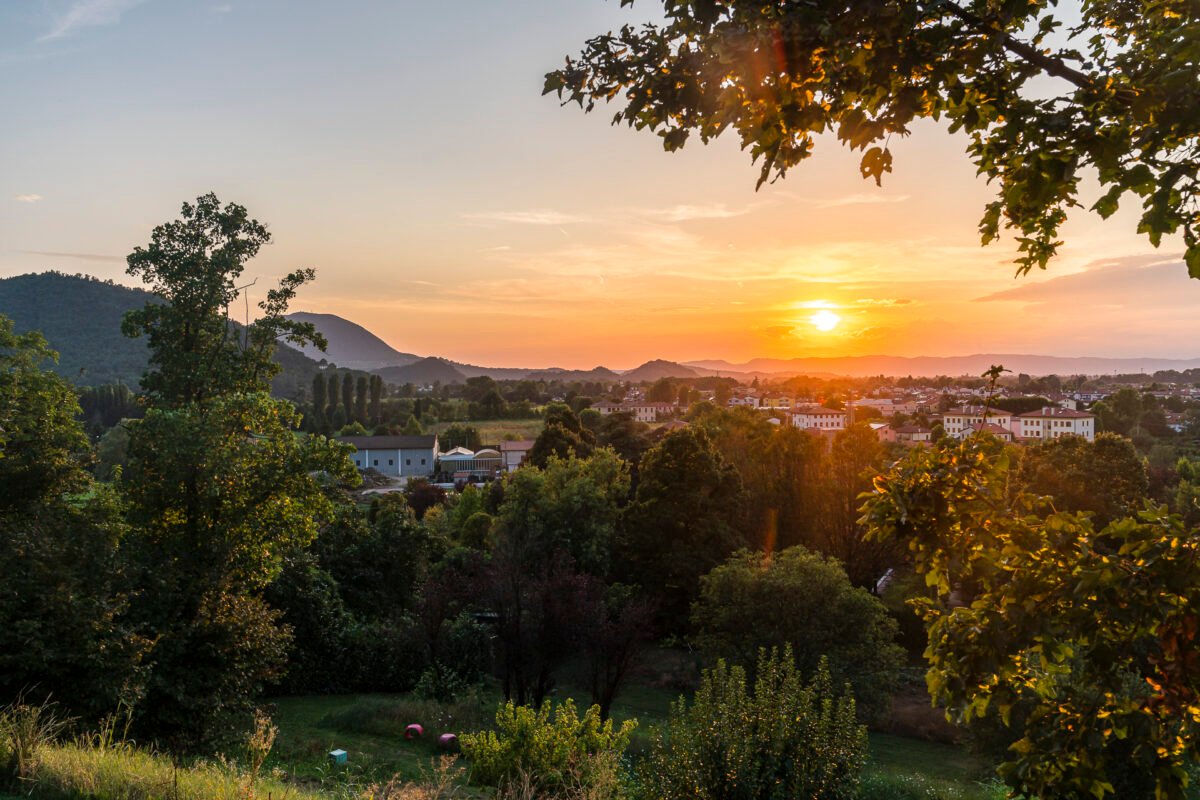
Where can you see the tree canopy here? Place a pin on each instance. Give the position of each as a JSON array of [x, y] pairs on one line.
[[1047, 100]]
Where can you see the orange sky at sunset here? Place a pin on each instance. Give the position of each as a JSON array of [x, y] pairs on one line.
[[452, 210]]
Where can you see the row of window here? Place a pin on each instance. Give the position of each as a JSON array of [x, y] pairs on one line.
[[391, 462]]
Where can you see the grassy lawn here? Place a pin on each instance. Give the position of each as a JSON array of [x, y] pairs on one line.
[[370, 727]]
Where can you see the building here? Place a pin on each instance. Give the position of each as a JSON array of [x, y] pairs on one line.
[[398, 456], [776, 401], [913, 434], [1000, 432], [640, 410], [818, 417], [514, 453], [1051, 423], [958, 422], [462, 464]]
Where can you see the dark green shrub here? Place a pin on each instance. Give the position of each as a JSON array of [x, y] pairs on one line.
[[783, 739]]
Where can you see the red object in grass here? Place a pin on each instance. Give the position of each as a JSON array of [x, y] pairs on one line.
[[414, 731]]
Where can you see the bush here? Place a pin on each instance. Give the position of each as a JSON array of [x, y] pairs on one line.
[[550, 749], [805, 601], [782, 740]]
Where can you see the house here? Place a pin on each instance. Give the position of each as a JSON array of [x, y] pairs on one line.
[[398, 456], [884, 431], [776, 401], [819, 417], [639, 410], [913, 434], [514, 453], [1051, 423], [958, 422]]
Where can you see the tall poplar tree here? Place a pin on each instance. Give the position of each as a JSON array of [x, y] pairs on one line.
[[218, 487]]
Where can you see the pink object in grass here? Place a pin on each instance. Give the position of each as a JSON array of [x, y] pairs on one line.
[[414, 731]]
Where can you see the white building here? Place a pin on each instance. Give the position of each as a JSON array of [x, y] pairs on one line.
[[398, 456], [1051, 423], [515, 453], [641, 411], [819, 417]]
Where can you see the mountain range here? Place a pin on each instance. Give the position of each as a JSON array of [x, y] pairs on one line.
[[81, 318]]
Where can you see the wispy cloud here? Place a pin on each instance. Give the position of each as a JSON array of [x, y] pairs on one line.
[[685, 213], [77, 256], [88, 14], [539, 216], [28, 198], [861, 200]]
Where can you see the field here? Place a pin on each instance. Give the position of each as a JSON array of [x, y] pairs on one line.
[[498, 430]]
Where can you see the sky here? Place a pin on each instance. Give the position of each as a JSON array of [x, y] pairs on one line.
[[403, 149]]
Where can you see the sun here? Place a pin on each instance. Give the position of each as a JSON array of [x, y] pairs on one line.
[[825, 320]]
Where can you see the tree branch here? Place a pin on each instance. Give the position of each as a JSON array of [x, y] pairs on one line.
[[1048, 64]]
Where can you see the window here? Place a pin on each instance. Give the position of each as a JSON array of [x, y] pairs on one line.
[[376, 462], [422, 462], [408, 462], [391, 463]]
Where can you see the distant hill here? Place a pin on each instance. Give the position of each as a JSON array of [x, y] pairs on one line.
[[422, 372], [80, 317], [953, 366], [654, 370], [351, 345]]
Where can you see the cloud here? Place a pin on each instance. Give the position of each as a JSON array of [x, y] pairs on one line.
[[1141, 281], [78, 256], [883, 301], [540, 216], [88, 14], [861, 200], [684, 213], [223, 8], [28, 198]]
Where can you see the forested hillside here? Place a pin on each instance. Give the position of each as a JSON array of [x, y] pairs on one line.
[[81, 318]]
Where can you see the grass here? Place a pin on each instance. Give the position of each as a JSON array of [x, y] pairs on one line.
[[370, 727], [494, 431], [934, 770]]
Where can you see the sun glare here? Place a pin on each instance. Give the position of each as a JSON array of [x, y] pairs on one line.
[[825, 320]]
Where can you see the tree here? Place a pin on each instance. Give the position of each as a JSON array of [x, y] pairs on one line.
[[64, 591], [41, 445], [332, 392], [855, 457], [360, 399], [1091, 631], [376, 399], [683, 522], [662, 391], [564, 436], [572, 505], [618, 624], [805, 601], [413, 428], [348, 396], [775, 738], [318, 398], [779, 74], [460, 436], [1106, 477], [218, 487]]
